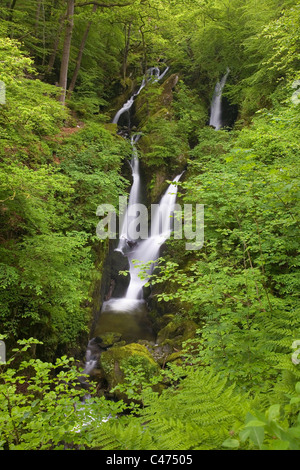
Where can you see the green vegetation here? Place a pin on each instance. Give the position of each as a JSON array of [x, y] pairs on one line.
[[228, 319]]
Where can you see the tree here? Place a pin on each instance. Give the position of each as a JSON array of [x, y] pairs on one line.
[[63, 77], [67, 43], [80, 54]]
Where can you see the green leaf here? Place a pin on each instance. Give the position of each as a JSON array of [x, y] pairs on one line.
[[278, 445], [245, 434], [257, 435]]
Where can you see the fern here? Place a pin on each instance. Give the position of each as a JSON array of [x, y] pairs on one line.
[[200, 414]]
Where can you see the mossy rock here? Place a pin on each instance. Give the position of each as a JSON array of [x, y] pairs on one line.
[[156, 101], [168, 87], [158, 352], [113, 362], [165, 320], [109, 338], [176, 332], [111, 127], [175, 357]]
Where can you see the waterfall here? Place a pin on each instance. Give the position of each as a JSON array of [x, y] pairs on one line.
[[147, 251], [129, 315], [216, 104], [134, 197]]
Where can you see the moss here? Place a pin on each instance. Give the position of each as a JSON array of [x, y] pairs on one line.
[[109, 338], [163, 153], [175, 333], [156, 100], [175, 357], [111, 128], [114, 360]]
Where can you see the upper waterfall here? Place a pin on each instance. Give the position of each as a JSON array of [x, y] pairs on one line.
[[216, 104]]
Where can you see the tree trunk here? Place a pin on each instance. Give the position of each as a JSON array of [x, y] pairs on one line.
[[80, 54], [56, 44], [37, 15], [63, 78], [10, 18], [126, 49]]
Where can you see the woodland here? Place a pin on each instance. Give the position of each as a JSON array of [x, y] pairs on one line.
[[224, 370]]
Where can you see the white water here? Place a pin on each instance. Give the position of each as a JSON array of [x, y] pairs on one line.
[[134, 197], [143, 251], [128, 315], [216, 104], [148, 250], [90, 362]]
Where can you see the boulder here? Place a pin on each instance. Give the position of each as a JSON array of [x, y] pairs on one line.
[[114, 361], [175, 333]]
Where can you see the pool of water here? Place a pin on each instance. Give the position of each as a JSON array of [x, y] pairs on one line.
[[128, 317]]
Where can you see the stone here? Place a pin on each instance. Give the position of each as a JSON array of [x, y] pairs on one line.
[[109, 338], [176, 332], [113, 362]]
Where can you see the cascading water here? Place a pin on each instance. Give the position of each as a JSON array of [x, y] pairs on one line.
[[134, 197], [128, 314], [216, 104], [147, 251]]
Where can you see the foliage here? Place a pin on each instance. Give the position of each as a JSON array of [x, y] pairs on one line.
[[30, 109], [274, 61], [271, 430], [235, 384], [42, 406], [242, 286], [50, 189]]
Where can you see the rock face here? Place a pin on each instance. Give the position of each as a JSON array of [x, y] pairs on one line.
[[158, 101], [116, 284], [163, 155], [168, 87]]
